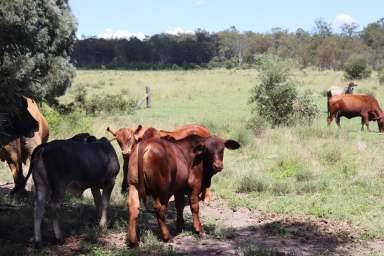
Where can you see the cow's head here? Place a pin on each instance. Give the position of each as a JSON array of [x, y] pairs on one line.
[[211, 152], [127, 138], [350, 87], [18, 123], [380, 123]]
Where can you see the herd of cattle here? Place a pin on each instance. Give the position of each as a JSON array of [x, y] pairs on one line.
[[156, 163]]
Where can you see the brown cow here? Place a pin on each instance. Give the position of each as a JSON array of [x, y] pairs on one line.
[[356, 105], [20, 149], [128, 138], [161, 168]]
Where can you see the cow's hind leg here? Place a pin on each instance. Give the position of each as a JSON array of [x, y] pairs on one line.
[[107, 190], [179, 202], [98, 201], [133, 212], [161, 210], [40, 199], [56, 225]]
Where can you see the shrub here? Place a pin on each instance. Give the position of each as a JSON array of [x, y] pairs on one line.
[[356, 68], [65, 125], [257, 124], [252, 183], [305, 109], [274, 97], [381, 76], [109, 104]]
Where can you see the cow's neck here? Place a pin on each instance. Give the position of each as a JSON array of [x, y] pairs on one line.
[[187, 146]]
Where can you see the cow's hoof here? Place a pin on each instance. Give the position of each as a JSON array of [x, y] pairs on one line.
[[37, 245], [58, 241], [133, 244], [18, 191], [167, 238], [202, 235]]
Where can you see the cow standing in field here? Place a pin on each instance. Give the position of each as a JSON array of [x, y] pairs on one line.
[[336, 90], [161, 168], [19, 146], [72, 165], [128, 138], [356, 105]]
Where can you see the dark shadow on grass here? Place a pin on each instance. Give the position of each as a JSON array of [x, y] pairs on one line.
[[274, 238]]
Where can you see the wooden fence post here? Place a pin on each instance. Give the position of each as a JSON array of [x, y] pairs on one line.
[[148, 96]]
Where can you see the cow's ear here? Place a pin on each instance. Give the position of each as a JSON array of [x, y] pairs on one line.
[[138, 129], [231, 144]]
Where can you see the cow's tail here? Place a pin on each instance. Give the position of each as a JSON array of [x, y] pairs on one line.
[[140, 172], [36, 156]]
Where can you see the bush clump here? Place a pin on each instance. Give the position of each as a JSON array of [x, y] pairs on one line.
[[273, 98], [305, 109], [357, 68], [381, 76], [109, 103]]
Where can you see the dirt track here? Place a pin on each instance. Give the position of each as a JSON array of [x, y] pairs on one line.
[[228, 232]]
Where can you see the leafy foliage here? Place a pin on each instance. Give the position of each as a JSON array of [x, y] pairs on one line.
[[357, 68], [273, 98], [109, 104], [305, 109], [324, 48], [36, 39], [381, 76]]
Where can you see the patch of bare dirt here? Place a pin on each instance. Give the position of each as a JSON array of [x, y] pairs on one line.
[[228, 231]]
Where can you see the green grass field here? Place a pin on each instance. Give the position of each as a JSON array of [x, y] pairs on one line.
[[325, 172]]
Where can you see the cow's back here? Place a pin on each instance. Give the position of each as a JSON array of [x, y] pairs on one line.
[[87, 163], [163, 164], [187, 130]]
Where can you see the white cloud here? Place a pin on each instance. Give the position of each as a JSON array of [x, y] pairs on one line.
[[200, 2], [177, 31], [342, 19], [120, 34]]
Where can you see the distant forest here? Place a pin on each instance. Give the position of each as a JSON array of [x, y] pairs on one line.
[[321, 48]]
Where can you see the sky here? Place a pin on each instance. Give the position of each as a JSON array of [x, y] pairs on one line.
[[126, 18]]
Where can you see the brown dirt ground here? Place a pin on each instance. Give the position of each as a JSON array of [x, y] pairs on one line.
[[228, 231]]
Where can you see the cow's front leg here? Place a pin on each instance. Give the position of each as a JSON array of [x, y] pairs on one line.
[[179, 202], [338, 120], [56, 225], [107, 190], [98, 201], [133, 212], [161, 210], [124, 184], [40, 199], [207, 195], [194, 204], [365, 120]]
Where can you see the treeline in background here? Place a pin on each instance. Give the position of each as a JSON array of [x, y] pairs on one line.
[[322, 48]]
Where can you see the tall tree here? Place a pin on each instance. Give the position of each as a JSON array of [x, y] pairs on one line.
[[373, 36], [36, 39]]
